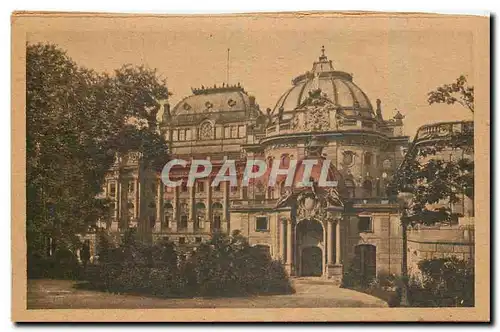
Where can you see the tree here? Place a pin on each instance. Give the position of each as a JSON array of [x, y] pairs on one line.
[[457, 92], [77, 120], [433, 179]]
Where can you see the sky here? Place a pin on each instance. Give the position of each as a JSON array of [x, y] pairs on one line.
[[390, 59]]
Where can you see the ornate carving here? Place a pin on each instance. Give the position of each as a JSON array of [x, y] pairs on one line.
[[348, 158], [310, 206]]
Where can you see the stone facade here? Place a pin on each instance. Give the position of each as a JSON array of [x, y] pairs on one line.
[[323, 116]]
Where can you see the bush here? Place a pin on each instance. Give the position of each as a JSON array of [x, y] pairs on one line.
[[224, 266], [353, 278], [62, 265], [445, 282]]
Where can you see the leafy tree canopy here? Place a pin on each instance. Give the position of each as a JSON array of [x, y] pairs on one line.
[[77, 120], [457, 92], [432, 178]]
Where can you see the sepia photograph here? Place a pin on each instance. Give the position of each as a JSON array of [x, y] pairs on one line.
[[250, 167]]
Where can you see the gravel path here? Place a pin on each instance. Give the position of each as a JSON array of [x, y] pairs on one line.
[[60, 294]]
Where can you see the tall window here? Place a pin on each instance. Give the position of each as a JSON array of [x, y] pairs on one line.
[[368, 159], [112, 189], [285, 161], [183, 222], [182, 135], [184, 216], [234, 131], [227, 132], [216, 216], [184, 187], [168, 215], [200, 186], [218, 132], [200, 213], [131, 187], [241, 131]]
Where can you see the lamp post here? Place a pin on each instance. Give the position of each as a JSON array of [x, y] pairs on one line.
[[405, 200]]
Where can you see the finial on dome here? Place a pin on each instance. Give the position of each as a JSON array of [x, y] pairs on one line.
[[323, 56]]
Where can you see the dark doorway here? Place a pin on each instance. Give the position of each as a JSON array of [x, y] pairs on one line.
[[312, 262], [366, 261]]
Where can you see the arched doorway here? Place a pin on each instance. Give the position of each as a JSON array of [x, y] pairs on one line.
[[310, 248], [312, 262]]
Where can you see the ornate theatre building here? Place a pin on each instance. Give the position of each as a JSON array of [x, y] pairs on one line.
[[312, 230]]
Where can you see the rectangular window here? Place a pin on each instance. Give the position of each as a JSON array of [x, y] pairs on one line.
[[217, 187], [218, 132], [182, 240], [234, 131], [188, 134], [166, 221], [227, 132], [198, 240], [261, 224], [365, 225], [182, 135], [175, 135], [131, 187], [241, 131], [201, 186], [184, 187]]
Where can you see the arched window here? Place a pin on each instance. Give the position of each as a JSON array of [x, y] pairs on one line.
[[217, 212], [168, 215], [200, 213], [184, 212], [285, 161]]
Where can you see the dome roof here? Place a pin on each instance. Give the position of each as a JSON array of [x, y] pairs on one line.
[[214, 100], [335, 85]]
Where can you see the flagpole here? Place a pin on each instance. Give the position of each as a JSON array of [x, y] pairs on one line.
[[227, 69]]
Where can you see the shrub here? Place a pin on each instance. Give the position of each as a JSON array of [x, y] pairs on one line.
[[445, 282], [224, 266], [353, 278], [63, 264]]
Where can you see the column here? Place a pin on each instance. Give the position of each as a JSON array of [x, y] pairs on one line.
[[282, 239], [192, 217], [208, 204], [289, 243], [136, 203], [225, 222], [175, 206], [329, 242], [337, 242], [159, 205]]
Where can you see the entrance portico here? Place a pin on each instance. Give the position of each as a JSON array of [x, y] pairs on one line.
[[311, 243]]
